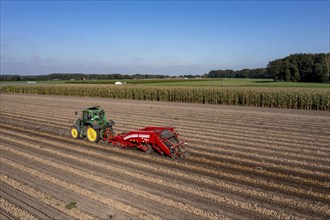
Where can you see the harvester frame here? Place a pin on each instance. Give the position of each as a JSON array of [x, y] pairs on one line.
[[164, 140]]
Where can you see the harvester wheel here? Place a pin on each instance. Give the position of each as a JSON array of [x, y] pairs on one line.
[[150, 149], [173, 154], [93, 135], [74, 133]]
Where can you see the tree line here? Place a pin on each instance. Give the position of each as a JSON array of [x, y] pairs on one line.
[[78, 76], [301, 68], [260, 73], [294, 68]]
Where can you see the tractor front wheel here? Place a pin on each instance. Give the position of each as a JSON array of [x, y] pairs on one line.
[[93, 135], [74, 133]]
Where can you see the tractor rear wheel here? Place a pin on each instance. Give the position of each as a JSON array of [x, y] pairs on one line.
[[74, 133], [93, 135]]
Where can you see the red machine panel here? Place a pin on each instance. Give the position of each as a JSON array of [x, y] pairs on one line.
[[163, 140]]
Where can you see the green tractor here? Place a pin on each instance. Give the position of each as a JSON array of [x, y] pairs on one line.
[[93, 124]]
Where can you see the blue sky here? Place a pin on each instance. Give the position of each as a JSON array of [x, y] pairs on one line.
[[157, 37]]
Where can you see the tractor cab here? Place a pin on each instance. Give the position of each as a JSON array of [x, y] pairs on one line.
[[94, 114]]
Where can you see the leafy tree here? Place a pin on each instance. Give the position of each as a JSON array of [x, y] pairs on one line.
[[301, 68]]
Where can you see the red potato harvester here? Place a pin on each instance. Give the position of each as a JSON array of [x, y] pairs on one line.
[[163, 140]]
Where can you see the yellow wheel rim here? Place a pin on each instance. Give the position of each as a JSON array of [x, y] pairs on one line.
[[91, 134], [74, 133]]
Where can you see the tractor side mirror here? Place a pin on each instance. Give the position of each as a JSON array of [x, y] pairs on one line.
[[76, 113]]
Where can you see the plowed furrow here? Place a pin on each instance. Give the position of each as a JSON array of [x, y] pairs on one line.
[[232, 123], [318, 180], [258, 172], [225, 117], [221, 127], [315, 209], [178, 187], [318, 171], [154, 188], [223, 136], [15, 211], [298, 174], [226, 145], [246, 168], [64, 196], [39, 209], [5, 215], [265, 184], [112, 203], [204, 125], [254, 163], [155, 109], [242, 149], [308, 166], [44, 100], [111, 183], [225, 131], [99, 188]]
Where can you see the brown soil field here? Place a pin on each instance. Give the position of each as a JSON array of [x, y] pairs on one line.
[[244, 162]]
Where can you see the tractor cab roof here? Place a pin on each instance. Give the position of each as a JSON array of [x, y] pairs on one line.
[[94, 108], [94, 113]]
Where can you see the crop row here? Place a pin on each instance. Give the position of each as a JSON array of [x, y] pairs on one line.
[[119, 160], [227, 122], [15, 211], [228, 126], [270, 146], [318, 99], [271, 167], [112, 184], [221, 199], [118, 205], [229, 149], [260, 118], [303, 168], [255, 194], [220, 174], [219, 164], [201, 150], [42, 197], [229, 146]]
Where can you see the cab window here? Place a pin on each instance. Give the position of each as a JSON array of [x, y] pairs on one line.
[[86, 116], [101, 114]]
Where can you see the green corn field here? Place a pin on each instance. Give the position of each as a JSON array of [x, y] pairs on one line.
[[290, 98]]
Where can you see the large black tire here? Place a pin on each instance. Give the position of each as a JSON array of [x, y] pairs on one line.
[[150, 149], [173, 154], [92, 134]]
